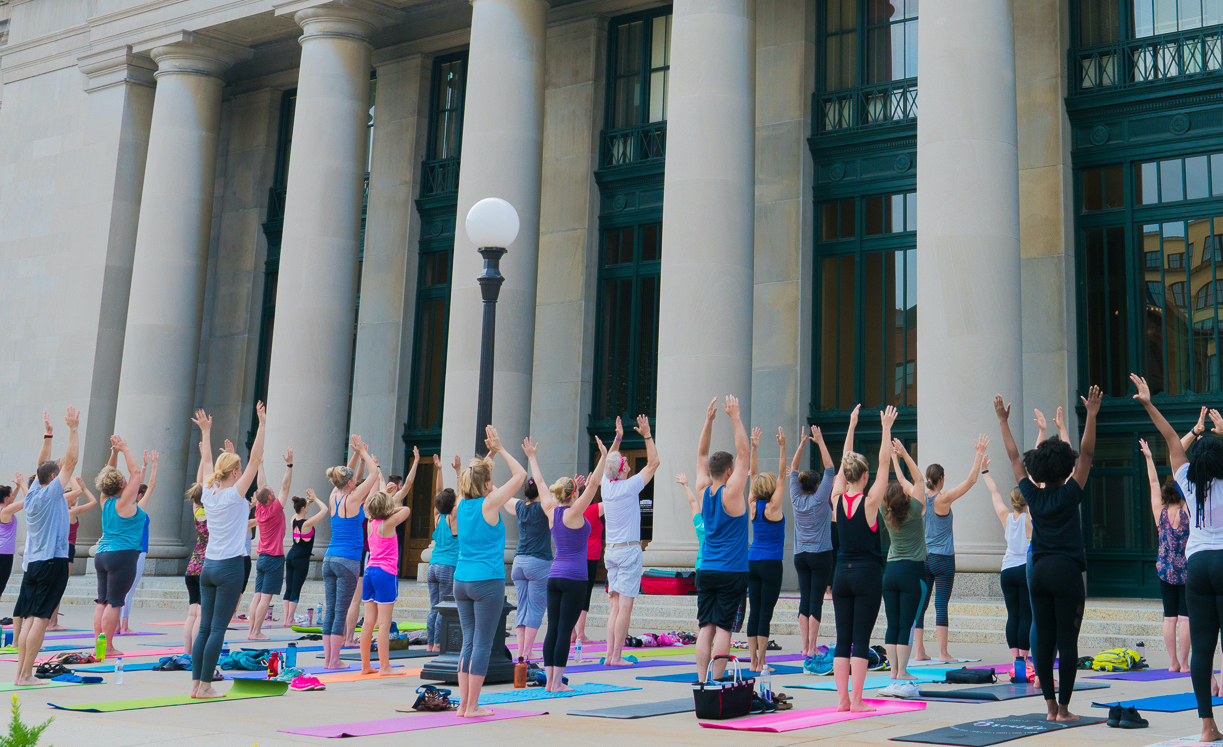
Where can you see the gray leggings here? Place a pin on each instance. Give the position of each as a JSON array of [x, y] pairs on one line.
[[480, 604], [530, 576], [339, 584], [220, 590], [441, 584]]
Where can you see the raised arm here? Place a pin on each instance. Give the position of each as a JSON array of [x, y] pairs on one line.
[[694, 502], [501, 495], [1157, 503], [362, 491], [917, 488], [773, 511], [1059, 420], [734, 500], [410, 479], [44, 451], [951, 495], [755, 453], [287, 481], [818, 437], [797, 462], [18, 502], [1003, 411], [256, 459], [323, 509], [90, 502], [203, 421], [1000, 507], [547, 501], [72, 419], [1176, 453], [1198, 429], [152, 481], [130, 491], [874, 498], [651, 450], [1087, 447], [1042, 426], [838, 485], [574, 515], [702, 448]]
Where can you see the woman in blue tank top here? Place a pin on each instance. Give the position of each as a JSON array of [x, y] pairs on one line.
[[342, 563], [119, 547], [479, 577], [764, 567], [444, 556], [940, 549]]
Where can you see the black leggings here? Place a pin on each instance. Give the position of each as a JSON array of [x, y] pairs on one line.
[[6, 570], [219, 595], [814, 576], [565, 597], [940, 575], [904, 592], [1204, 590], [763, 588], [297, 567], [1018, 607], [857, 593], [592, 569], [1058, 597]]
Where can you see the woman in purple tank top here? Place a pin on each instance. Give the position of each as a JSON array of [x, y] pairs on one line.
[[10, 504], [567, 579]]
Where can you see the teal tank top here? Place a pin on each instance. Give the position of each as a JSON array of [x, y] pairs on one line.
[[481, 545], [119, 533], [698, 522], [445, 544]]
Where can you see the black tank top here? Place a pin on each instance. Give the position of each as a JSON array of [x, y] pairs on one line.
[[859, 543], [301, 546]]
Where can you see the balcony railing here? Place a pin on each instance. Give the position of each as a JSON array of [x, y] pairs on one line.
[[865, 107], [1140, 62], [634, 146], [439, 177]]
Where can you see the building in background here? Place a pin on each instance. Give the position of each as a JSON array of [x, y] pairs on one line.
[[214, 203]]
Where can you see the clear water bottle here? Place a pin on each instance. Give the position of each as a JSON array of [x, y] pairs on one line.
[[766, 685], [119, 671], [577, 652]]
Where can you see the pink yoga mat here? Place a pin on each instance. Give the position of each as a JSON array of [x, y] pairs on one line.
[[410, 723], [180, 622], [791, 720], [84, 634]]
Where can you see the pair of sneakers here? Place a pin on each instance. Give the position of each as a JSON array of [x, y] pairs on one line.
[[818, 664], [1120, 717], [902, 689], [306, 682]]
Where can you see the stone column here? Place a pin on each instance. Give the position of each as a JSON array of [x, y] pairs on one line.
[[502, 142], [705, 314], [312, 343], [161, 344], [968, 274]]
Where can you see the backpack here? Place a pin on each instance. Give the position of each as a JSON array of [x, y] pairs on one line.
[[1118, 660], [246, 660], [877, 659]]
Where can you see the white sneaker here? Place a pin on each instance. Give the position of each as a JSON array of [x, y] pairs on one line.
[[890, 690], [906, 690]]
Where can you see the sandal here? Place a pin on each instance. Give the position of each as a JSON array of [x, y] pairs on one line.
[[50, 670], [772, 646]]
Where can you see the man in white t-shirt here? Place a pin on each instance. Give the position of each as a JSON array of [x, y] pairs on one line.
[[622, 517]]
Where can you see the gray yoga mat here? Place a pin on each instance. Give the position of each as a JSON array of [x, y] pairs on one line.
[[1000, 692], [995, 730], [640, 710], [407, 653]]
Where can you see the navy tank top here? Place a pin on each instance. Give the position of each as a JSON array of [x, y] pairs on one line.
[[768, 537], [725, 546]]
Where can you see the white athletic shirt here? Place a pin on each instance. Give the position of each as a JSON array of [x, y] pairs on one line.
[[226, 511], [1016, 541], [1209, 536], [622, 509]]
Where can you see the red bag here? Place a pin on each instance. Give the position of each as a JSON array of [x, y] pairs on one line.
[[668, 586]]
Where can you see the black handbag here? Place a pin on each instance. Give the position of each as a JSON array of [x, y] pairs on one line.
[[723, 699], [966, 676]]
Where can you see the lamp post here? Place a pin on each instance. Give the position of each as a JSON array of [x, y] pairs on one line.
[[492, 225]]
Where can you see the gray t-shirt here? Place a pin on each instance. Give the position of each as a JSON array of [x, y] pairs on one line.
[[812, 515], [46, 515]]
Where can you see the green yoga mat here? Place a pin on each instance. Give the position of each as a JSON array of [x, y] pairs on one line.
[[319, 630], [240, 690], [9, 687]]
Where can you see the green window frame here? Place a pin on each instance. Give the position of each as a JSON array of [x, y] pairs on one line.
[[440, 170], [638, 79]]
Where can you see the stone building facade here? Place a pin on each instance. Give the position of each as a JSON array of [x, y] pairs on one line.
[[206, 204]]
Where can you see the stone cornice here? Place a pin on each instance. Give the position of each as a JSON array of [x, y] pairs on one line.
[[114, 67], [351, 18]]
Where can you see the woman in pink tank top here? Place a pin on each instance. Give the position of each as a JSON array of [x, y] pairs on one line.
[[380, 584]]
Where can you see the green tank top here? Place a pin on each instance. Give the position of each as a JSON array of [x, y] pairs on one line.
[[908, 541]]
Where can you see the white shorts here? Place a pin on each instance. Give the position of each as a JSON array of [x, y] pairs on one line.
[[623, 570]]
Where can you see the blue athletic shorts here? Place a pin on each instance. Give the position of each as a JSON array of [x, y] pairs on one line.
[[379, 586]]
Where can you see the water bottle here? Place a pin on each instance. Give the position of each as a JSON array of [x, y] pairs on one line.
[[1020, 672], [119, 671], [99, 648], [310, 616], [520, 673], [766, 685], [577, 652], [291, 656]]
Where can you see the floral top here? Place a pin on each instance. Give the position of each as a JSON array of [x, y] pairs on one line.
[[195, 566], [1170, 566]]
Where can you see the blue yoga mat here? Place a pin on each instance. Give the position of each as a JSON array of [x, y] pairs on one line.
[[1162, 703], [142, 667], [690, 677], [874, 683], [538, 693], [643, 664]]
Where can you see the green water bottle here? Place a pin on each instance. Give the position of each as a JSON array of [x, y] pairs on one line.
[[100, 647]]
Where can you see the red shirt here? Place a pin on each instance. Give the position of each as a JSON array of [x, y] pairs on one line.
[[594, 545], [271, 522]]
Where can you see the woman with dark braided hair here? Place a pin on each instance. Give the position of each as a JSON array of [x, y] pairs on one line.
[[1201, 482]]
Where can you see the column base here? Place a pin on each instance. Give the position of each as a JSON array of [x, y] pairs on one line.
[[670, 554]]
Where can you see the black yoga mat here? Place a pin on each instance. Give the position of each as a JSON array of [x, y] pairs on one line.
[[640, 710], [1000, 691], [407, 653], [996, 730]]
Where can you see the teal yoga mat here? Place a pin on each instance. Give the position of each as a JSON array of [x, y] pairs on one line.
[[1161, 703], [689, 677], [873, 683], [538, 693]]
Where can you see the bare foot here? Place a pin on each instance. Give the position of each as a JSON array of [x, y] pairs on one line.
[[258, 637], [843, 705], [903, 676], [1051, 707], [617, 663], [387, 672], [27, 681], [1211, 734], [586, 640], [1174, 667], [56, 628], [206, 692], [477, 713], [368, 670], [923, 657], [948, 659], [1214, 687], [861, 707], [112, 651], [1064, 714]]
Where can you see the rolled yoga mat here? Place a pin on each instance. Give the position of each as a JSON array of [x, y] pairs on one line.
[[1001, 691], [239, 690], [411, 723], [1161, 703], [640, 710], [995, 730], [790, 720]]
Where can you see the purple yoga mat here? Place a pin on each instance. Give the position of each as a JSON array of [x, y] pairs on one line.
[[86, 634], [1144, 675], [643, 664], [410, 723]]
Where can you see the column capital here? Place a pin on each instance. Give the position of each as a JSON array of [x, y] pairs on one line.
[[194, 53], [112, 67], [357, 19]]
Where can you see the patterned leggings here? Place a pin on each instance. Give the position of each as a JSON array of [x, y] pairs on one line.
[[940, 575]]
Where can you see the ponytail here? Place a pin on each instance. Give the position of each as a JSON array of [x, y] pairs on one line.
[[473, 479], [563, 489], [226, 463]]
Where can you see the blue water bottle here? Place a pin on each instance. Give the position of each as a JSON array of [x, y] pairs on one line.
[[291, 656], [1020, 673]]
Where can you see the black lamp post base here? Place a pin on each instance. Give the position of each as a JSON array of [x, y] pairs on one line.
[[445, 666]]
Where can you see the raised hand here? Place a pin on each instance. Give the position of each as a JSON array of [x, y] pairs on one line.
[[529, 447], [681, 479], [492, 441], [755, 437], [643, 426], [984, 462], [853, 416], [437, 461], [731, 405], [80, 483], [311, 494], [46, 422], [601, 445], [117, 443], [1144, 447], [899, 447], [981, 444], [288, 456], [19, 480], [1001, 409], [781, 436], [711, 412], [153, 456], [1059, 420], [1200, 427], [1093, 398], [1040, 420], [457, 464], [619, 430], [72, 418], [1217, 419], [261, 412], [1143, 395], [228, 446], [816, 435], [888, 416], [415, 454], [202, 420]]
